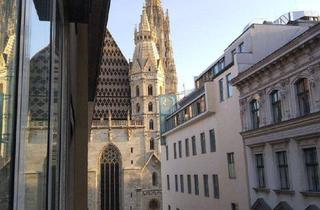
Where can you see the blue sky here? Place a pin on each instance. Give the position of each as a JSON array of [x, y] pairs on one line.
[[200, 29]]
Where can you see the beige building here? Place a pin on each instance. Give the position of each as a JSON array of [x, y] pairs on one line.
[[202, 134], [124, 169], [280, 114]]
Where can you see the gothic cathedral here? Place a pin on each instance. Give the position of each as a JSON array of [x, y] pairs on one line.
[[124, 168]]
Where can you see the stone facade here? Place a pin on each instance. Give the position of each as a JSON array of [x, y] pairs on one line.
[[125, 129], [280, 113]]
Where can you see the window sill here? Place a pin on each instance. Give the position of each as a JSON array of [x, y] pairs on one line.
[[310, 194], [262, 190], [284, 192]]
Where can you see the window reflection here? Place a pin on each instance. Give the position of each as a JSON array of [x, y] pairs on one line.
[[36, 105], [8, 26]]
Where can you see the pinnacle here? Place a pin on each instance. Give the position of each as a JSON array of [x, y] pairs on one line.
[[144, 23], [153, 2]]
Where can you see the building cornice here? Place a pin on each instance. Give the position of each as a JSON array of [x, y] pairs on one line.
[[311, 119]]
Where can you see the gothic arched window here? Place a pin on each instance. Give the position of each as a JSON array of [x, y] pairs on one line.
[[150, 107], [303, 96], [110, 166], [151, 126], [137, 91], [150, 90], [154, 179], [151, 144], [137, 107]]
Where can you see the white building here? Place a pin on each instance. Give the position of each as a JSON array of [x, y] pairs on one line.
[[280, 114], [203, 158]]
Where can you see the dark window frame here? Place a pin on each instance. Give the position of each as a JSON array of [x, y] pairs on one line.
[[255, 113], [231, 165], [203, 143], [283, 170], [229, 85], [259, 159], [312, 169], [276, 106], [303, 96], [213, 146]]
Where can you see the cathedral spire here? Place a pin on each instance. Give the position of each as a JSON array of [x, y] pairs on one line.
[[144, 23], [153, 2]]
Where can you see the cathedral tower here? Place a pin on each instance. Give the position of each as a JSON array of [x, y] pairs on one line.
[[147, 79], [160, 24]]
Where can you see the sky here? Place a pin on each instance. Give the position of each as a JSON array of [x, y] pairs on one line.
[[200, 29]]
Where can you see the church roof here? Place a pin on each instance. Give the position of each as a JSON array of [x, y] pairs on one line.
[[113, 88]]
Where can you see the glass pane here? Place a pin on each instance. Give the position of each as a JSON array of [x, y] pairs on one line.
[[8, 34], [35, 105]]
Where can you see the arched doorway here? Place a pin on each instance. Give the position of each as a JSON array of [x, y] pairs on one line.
[[154, 205], [110, 166]]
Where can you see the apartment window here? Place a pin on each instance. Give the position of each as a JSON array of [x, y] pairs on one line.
[[194, 145], [216, 191], [203, 143], [150, 107], [221, 64], [169, 207], [137, 91], [175, 150], [212, 140], [168, 182], [241, 47], [311, 161], [181, 183], [283, 170], [151, 125], [276, 106], [137, 107], [303, 96], [231, 165], [189, 183], [229, 85], [152, 144], [221, 89], [206, 185], [196, 184], [260, 171], [150, 90], [255, 113], [180, 149], [176, 182], [233, 52], [187, 147], [167, 152], [131, 149], [234, 206]]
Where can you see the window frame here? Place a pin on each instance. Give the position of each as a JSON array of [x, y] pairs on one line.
[[276, 106], [203, 143], [215, 182], [313, 182], [231, 165], [213, 143], [229, 85], [260, 173], [255, 113], [221, 90], [303, 96], [283, 169], [194, 145]]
